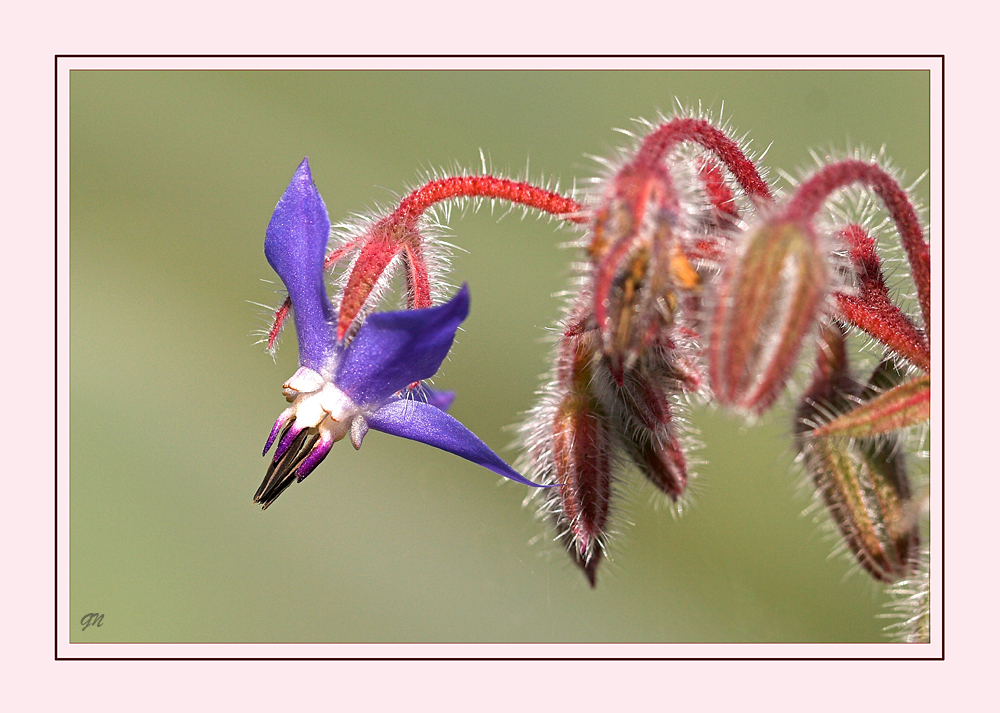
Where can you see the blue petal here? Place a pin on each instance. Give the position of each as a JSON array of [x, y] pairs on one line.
[[295, 247], [395, 349], [425, 423]]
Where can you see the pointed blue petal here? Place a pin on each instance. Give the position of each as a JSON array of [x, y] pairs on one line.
[[295, 247], [395, 349], [422, 422]]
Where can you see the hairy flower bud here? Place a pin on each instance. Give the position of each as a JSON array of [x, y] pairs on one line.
[[571, 444], [638, 264], [643, 407], [863, 481], [865, 486], [772, 288], [904, 405], [661, 461], [582, 463], [582, 453]]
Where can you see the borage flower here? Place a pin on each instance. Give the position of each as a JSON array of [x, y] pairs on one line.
[[343, 389]]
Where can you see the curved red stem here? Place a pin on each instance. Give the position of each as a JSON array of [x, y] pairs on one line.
[[811, 195], [416, 203], [403, 222], [677, 131]]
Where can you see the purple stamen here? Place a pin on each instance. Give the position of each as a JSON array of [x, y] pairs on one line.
[[278, 425], [286, 441], [315, 457]]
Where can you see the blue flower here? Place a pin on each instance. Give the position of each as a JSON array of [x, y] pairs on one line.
[[345, 390]]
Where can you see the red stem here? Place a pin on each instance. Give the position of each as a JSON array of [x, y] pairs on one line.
[[415, 205], [519, 192], [372, 261], [675, 132], [811, 195], [417, 280]]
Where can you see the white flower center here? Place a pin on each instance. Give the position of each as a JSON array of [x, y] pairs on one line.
[[317, 402]]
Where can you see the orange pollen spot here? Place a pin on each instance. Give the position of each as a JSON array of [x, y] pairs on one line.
[[683, 272]]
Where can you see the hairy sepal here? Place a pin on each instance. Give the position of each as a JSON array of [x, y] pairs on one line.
[[902, 406]]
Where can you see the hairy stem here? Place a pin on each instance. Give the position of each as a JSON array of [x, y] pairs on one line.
[[672, 134], [519, 192], [812, 194]]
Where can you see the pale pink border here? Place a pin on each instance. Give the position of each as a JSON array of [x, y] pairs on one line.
[[38, 34]]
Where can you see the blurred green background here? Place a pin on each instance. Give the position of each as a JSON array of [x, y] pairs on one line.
[[174, 177]]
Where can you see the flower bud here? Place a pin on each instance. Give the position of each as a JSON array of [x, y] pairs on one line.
[[771, 292], [907, 404], [581, 452], [863, 481], [662, 462], [582, 460], [643, 408], [638, 264], [571, 443], [866, 489]]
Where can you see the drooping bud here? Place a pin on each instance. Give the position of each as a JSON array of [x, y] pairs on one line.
[[582, 463], [638, 264], [768, 300], [865, 486], [863, 481], [643, 406], [581, 453], [661, 461], [571, 443]]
